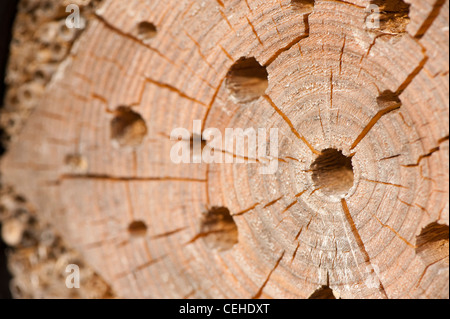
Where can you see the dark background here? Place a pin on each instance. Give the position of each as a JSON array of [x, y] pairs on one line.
[[7, 13]]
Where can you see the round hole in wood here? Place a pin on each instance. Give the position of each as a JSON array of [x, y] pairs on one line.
[[76, 162], [128, 128], [247, 80], [146, 30], [432, 243], [388, 99], [219, 229], [303, 6], [324, 292], [332, 173], [393, 16], [137, 228]]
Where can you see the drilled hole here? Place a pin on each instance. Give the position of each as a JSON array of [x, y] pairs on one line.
[[332, 172], [432, 243], [247, 80], [146, 31], [128, 128], [219, 229], [47, 6], [393, 15], [388, 99], [76, 163], [39, 75], [303, 6], [27, 94], [137, 229], [324, 292]]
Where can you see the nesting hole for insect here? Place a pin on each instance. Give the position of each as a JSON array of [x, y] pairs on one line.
[[146, 31], [137, 228], [323, 292], [432, 243], [303, 6], [76, 163], [388, 99], [390, 16], [219, 229], [128, 128], [332, 172], [247, 80]]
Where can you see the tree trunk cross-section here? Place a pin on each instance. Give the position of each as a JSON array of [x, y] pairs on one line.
[[358, 207]]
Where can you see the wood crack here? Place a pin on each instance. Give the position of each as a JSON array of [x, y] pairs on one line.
[[390, 157], [273, 202], [199, 49], [210, 105], [226, 20], [341, 55], [421, 157], [430, 19], [286, 48], [205, 234], [254, 31], [289, 206], [175, 90], [288, 121], [395, 232], [246, 210], [295, 252], [136, 40], [372, 123], [384, 183], [139, 268], [169, 233], [360, 243], [110, 178], [414, 73], [260, 291]]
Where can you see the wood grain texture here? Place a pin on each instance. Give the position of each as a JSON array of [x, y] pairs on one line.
[[377, 97]]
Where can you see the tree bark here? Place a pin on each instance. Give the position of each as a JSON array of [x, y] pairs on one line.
[[358, 207]]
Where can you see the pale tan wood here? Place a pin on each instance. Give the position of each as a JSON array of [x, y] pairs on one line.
[[380, 97]]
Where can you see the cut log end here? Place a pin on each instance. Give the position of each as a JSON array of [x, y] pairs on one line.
[[357, 94]]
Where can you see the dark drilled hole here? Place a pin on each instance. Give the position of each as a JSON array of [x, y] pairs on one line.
[[303, 6], [76, 162], [388, 99], [219, 229], [247, 80], [332, 172], [146, 31], [137, 228], [323, 292], [128, 128], [393, 15], [432, 243]]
